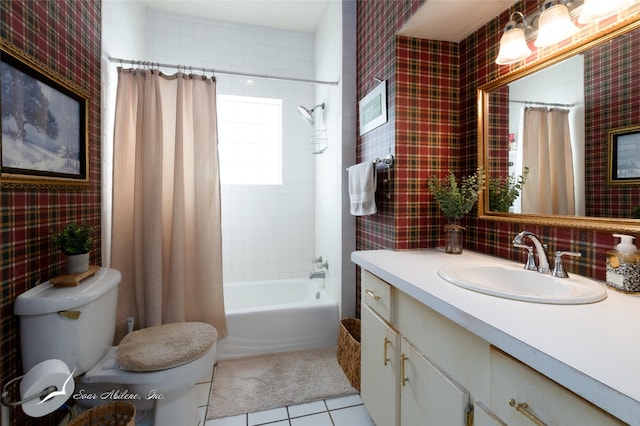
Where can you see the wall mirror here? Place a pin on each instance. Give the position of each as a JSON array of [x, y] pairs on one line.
[[569, 125]]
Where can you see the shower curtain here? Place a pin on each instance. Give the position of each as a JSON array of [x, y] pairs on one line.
[[166, 232], [547, 152]]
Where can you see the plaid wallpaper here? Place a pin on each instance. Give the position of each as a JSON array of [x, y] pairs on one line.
[[433, 128], [65, 36], [427, 134], [377, 24], [612, 101]]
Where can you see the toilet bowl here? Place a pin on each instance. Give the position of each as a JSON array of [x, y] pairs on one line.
[[168, 394], [77, 325]]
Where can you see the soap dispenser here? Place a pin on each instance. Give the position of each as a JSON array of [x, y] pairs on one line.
[[623, 265]]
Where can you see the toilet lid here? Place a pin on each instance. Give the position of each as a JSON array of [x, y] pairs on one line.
[[165, 346]]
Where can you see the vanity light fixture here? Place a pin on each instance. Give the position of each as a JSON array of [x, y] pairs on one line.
[[513, 44], [594, 10], [554, 24]]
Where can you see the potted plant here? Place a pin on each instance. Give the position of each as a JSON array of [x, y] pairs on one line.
[[75, 241], [504, 191], [455, 200]]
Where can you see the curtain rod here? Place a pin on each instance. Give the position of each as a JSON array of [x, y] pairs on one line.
[[217, 71], [542, 104]]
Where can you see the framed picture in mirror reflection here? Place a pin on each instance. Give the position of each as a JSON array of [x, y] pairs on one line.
[[624, 156]]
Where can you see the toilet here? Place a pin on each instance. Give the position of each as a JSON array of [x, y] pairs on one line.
[[155, 369]]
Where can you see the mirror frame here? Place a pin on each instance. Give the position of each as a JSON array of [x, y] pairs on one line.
[[583, 222]]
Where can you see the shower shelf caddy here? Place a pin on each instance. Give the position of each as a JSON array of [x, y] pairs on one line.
[[319, 141]]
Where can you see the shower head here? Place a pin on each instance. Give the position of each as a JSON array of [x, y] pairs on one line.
[[307, 114]]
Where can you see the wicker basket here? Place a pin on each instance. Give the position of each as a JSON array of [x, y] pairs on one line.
[[349, 350], [110, 414]]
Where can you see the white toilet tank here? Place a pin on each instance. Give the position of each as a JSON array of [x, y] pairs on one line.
[[73, 324]]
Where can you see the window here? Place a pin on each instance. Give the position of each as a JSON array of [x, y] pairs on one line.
[[250, 140]]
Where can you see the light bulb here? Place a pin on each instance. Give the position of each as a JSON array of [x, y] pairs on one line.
[[554, 25]]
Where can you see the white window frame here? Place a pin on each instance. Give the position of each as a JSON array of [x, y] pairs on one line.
[[250, 140]]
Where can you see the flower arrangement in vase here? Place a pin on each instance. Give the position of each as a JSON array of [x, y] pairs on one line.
[[456, 199], [75, 241]]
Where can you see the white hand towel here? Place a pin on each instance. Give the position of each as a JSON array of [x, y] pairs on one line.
[[362, 188]]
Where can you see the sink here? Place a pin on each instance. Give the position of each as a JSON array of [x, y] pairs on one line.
[[514, 282]]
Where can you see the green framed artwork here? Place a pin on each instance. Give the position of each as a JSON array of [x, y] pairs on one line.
[[373, 108]]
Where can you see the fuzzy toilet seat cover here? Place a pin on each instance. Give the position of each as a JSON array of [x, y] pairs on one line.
[[165, 346]]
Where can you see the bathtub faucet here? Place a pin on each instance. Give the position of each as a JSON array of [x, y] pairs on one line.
[[320, 264], [317, 274]]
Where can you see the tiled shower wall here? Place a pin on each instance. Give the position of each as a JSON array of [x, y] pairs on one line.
[[65, 36], [268, 230], [432, 136]]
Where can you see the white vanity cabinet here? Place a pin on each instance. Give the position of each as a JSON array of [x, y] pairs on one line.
[[399, 384], [419, 368]]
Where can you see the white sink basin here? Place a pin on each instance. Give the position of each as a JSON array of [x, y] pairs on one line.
[[514, 282]]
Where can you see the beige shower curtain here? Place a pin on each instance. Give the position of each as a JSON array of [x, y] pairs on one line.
[[547, 152], [166, 234]]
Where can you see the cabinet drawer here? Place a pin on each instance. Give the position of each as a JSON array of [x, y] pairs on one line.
[[513, 383], [377, 294]]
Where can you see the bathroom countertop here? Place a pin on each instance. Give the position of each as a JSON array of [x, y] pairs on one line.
[[591, 349]]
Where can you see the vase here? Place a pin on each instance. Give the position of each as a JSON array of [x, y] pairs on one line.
[[453, 237], [77, 263]]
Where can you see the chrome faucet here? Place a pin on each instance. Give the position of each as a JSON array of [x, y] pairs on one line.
[[543, 260], [317, 274], [558, 269]]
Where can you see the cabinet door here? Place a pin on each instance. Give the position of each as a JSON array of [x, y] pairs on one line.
[[428, 397], [378, 383]]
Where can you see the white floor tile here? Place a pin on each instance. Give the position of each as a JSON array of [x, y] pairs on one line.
[[320, 419], [240, 420], [268, 416], [306, 409], [344, 401], [352, 416]]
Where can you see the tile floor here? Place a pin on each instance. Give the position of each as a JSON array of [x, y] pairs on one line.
[[342, 411]]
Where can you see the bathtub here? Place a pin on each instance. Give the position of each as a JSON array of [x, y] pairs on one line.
[[277, 316]]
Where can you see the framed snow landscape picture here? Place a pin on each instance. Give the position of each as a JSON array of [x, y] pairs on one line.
[[44, 124]]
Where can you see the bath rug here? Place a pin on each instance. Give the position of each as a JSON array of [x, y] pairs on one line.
[[264, 382]]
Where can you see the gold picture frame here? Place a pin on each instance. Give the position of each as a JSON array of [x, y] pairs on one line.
[[624, 156], [44, 139]]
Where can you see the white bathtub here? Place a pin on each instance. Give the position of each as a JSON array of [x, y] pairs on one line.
[[277, 316]]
